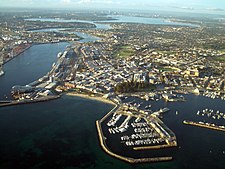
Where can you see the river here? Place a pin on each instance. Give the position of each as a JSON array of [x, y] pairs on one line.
[[85, 37], [120, 19], [32, 64], [62, 133]]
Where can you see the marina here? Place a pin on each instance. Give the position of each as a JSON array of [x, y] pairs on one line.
[[181, 107], [137, 130], [71, 121], [126, 159]]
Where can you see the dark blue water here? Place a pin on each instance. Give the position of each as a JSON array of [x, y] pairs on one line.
[[52, 135], [62, 133], [197, 147]]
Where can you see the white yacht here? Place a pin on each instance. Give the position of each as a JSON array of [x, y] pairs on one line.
[[1, 72]]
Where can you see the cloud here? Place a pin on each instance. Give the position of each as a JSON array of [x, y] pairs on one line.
[[84, 1], [21, 1], [183, 7], [66, 1]]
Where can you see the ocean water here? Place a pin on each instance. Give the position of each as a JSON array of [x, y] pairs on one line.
[[55, 134], [61, 134], [197, 147]]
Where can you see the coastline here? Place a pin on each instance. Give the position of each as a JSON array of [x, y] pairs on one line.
[[102, 137], [85, 96]]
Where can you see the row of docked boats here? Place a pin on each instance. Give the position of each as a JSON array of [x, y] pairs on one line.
[[114, 119], [214, 95], [211, 113], [122, 128], [149, 141]]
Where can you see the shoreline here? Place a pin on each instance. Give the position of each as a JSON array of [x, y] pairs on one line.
[[96, 98], [31, 45], [8, 60], [102, 137]]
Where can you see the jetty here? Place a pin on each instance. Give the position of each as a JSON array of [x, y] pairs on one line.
[[205, 125], [27, 101], [154, 147]]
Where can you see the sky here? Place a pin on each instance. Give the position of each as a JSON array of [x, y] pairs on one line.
[[188, 5]]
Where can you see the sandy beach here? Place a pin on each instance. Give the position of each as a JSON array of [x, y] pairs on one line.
[[101, 99]]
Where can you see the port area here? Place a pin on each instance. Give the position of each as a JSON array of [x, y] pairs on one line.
[[51, 85], [205, 125], [135, 137]]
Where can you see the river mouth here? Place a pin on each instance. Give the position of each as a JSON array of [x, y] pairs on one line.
[[28, 63], [29, 66], [62, 134]]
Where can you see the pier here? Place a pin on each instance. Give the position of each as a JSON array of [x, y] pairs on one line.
[[205, 125], [162, 129], [28, 101], [154, 147]]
